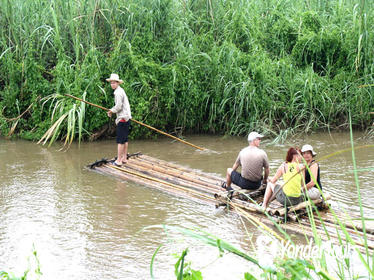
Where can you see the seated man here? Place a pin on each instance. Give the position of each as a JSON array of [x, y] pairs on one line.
[[253, 162]]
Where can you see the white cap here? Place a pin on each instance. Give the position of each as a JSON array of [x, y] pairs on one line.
[[306, 148], [253, 135], [114, 77]]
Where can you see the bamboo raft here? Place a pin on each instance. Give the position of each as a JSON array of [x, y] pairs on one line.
[[197, 185]]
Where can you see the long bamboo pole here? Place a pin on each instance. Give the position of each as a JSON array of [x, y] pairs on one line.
[[174, 186], [202, 178], [190, 179], [179, 167], [138, 122]]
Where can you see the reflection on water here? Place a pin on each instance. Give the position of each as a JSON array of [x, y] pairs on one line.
[[87, 225]]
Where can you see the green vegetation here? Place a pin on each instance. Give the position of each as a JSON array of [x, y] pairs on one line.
[[204, 66], [32, 272]]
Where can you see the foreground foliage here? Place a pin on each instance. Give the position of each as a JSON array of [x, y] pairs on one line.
[[200, 66], [33, 270]]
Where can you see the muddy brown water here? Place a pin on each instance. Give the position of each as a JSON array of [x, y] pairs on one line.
[[86, 225]]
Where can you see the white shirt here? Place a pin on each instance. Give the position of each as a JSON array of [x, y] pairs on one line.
[[122, 105]]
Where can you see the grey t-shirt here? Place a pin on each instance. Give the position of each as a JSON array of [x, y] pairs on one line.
[[252, 161]]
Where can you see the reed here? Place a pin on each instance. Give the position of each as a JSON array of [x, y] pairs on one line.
[[205, 66], [33, 270]]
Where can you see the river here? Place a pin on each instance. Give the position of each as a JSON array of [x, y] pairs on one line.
[[85, 225]]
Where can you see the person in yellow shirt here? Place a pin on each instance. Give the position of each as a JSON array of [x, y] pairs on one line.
[[293, 176]]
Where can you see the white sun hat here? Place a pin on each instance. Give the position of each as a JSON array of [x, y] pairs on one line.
[[114, 77], [253, 135], [306, 148]]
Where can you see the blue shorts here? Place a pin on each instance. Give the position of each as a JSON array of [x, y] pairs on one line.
[[244, 183]]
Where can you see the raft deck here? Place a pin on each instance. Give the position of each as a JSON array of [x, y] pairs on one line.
[[197, 185]]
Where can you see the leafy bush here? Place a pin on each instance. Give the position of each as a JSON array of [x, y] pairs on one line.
[[202, 66]]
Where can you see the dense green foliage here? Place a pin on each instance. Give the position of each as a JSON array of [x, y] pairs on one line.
[[211, 66]]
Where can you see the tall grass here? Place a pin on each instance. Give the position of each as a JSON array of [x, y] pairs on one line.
[[206, 66]]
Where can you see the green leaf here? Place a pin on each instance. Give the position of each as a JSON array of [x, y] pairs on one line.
[[248, 276]]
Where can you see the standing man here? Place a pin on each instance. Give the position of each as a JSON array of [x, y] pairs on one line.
[[123, 112], [253, 162]]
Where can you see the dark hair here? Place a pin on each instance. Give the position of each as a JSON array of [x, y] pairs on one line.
[[291, 151]]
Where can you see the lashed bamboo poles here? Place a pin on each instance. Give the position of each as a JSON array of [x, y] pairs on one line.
[[328, 218], [141, 123], [304, 228], [331, 230], [304, 225], [179, 174], [328, 229], [176, 187], [301, 227], [330, 223], [178, 167], [282, 211], [167, 177]]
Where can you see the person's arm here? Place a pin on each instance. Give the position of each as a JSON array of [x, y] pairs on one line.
[[127, 107], [313, 177], [236, 163], [118, 100], [266, 169], [301, 170], [266, 175], [235, 166], [278, 174]]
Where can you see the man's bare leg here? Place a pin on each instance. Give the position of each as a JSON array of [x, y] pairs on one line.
[[124, 152], [120, 148], [228, 177]]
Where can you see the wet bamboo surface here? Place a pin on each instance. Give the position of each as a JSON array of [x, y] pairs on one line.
[[194, 184]]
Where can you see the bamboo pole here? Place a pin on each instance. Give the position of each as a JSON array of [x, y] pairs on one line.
[[353, 231], [189, 191], [184, 172], [176, 166], [167, 177], [347, 222], [178, 174], [157, 184], [305, 229], [282, 211], [139, 122], [332, 229]]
